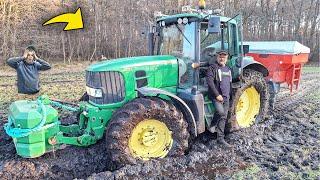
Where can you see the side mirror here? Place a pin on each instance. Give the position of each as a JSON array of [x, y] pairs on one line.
[[214, 25], [245, 49]]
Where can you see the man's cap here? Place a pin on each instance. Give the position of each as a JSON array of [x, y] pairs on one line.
[[31, 48], [223, 52]]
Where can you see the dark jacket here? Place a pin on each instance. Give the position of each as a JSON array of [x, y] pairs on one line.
[[28, 74], [214, 81]]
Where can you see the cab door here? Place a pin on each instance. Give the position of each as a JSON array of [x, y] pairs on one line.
[[234, 61]]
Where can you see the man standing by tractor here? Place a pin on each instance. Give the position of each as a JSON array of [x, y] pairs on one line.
[[219, 81], [28, 68]]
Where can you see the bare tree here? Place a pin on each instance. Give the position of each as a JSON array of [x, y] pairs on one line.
[[115, 29]]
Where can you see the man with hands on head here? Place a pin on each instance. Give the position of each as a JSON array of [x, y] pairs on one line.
[[28, 67], [219, 82]]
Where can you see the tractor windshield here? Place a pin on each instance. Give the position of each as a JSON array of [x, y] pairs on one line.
[[211, 43], [178, 40]]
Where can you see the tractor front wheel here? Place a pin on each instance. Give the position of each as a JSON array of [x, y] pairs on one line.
[[250, 103], [146, 128]]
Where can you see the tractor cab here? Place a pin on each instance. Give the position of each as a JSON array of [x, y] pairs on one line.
[[194, 38]]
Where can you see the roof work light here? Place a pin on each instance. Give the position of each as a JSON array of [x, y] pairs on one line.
[[202, 4]]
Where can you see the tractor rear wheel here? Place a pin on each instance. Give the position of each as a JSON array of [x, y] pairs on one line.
[[250, 103], [143, 129]]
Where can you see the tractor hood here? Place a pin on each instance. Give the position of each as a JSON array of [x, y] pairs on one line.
[[131, 63], [133, 73]]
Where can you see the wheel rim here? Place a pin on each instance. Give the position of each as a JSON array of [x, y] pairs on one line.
[[150, 139], [248, 107]]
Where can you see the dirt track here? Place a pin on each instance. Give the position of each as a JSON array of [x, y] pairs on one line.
[[285, 146]]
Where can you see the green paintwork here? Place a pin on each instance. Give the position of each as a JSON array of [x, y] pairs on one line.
[[95, 117], [161, 72], [130, 63], [26, 115], [209, 110], [91, 126]]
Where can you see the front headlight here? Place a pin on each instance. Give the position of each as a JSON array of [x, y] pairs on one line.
[[94, 92]]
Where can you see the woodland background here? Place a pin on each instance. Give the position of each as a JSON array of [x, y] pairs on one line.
[[114, 28]]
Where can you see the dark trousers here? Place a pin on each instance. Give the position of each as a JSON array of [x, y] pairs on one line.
[[221, 115]]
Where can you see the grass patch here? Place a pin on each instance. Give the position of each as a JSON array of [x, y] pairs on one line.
[[65, 86], [307, 173], [315, 95], [251, 172], [311, 174], [286, 173], [310, 69]]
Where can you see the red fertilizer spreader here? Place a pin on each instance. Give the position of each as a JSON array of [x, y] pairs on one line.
[[284, 60]]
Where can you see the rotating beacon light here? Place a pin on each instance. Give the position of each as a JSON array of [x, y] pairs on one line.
[[202, 4]]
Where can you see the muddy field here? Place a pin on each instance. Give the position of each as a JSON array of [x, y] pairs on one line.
[[286, 146]]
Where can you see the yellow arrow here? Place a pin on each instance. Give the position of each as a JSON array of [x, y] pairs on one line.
[[74, 20]]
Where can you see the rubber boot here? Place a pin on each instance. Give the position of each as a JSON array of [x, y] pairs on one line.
[[234, 125], [213, 125]]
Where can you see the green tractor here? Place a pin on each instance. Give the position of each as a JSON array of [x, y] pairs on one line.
[[151, 106]]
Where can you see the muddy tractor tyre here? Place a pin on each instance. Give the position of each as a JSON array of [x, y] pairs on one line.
[[250, 103], [144, 129]]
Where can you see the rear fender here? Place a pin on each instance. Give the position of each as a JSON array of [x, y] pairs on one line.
[[250, 63]]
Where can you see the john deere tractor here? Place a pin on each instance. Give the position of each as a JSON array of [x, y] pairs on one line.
[[150, 106]]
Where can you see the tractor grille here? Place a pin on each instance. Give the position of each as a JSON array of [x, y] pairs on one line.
[[111, 83]]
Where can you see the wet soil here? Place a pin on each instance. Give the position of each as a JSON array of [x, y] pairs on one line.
[[285, 146]]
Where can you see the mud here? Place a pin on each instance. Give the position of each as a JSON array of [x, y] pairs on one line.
[[285, 146]]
